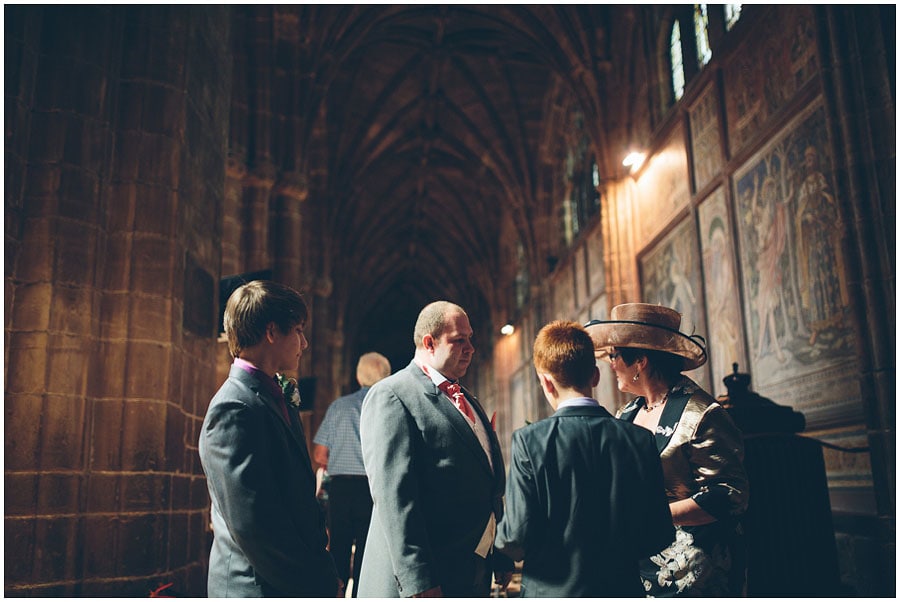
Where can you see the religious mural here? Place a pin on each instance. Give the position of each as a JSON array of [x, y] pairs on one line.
[[670, 276], [769, 74], [723, 302], [795, 290], [706, 148]]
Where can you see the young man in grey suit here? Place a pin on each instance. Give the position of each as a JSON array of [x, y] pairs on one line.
[[435, 472], [269, 537], [585, 498]]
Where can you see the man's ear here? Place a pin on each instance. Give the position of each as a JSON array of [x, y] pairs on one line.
[[271, 331], [428, 342], [595, 378]]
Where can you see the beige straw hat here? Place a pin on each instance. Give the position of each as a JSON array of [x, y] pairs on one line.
[[646, 326]]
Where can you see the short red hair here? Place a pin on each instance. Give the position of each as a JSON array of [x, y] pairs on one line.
[[564, 350]]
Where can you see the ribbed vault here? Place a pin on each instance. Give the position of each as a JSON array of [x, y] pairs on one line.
[[424, 133]]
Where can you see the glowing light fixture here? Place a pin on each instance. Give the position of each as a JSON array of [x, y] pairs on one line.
[[634, 160], [507, 329]]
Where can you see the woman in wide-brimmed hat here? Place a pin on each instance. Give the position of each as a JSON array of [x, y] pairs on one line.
[[701, 449]]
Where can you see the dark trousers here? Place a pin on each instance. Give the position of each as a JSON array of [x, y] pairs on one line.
[[349, 513]]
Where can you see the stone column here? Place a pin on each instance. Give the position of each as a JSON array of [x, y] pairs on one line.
[[257, 195], [104, 494], [289, 197], [53, 271], [232, 222]]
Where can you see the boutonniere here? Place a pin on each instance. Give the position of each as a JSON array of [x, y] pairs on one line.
[[289, 388]]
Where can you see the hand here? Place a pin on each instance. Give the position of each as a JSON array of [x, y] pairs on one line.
[[340, 590], [434, 592], [503, 580]]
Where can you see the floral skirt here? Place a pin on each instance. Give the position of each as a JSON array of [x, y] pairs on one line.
[[708, 560]]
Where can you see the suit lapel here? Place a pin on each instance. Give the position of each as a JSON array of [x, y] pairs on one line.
[[293, 427], [454, 417], [668, 420]]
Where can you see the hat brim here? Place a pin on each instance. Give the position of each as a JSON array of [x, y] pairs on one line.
[[608, 334]]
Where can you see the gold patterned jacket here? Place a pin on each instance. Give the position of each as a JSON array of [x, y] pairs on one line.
[[701, 450]]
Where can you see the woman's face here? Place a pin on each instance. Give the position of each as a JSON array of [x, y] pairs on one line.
[[624, 372]]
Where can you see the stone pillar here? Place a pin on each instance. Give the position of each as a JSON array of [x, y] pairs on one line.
[[51, 290], [257, 195], [232, 222], [289, 198], [110, 296], [618, 222]]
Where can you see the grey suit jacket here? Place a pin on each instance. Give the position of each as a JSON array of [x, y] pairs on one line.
[[584, 503], [432, 487], [269, 535]]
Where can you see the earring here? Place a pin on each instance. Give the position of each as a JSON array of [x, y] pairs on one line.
[[635, 377]]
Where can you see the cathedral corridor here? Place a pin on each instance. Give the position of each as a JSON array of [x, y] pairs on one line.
[[381, 157]]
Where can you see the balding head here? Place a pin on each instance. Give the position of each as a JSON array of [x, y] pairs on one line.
[[433, 320]]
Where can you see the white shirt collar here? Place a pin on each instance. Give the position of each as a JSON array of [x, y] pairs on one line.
[[578, 402]]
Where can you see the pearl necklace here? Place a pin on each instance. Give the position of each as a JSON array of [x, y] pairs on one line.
[[650, 407]]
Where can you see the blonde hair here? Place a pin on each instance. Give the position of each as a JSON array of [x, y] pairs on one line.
[[371, 368]]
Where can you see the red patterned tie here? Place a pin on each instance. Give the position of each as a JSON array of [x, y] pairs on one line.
[[453, 391]]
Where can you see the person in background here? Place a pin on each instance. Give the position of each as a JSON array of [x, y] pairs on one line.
[[584, 498], [269, 537], [435, 471], [700, 447], [338, 451]]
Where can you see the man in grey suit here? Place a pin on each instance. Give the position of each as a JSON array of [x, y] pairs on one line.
[[435, 471], [585, 500], [269, 537]]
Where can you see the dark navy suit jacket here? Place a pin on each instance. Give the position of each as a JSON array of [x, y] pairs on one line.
[[584, 503]]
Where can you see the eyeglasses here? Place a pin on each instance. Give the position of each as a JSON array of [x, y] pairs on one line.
[[612, 356]]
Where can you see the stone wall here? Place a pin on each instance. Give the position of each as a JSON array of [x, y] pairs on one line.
[[115, 139]]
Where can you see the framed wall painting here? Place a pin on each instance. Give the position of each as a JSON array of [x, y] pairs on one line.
[[796, 302], [723, 302], [706, 147], [789, 53], [662, 190], [670, 276]]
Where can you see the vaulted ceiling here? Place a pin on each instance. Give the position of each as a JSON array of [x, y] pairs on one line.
[[424, 130]]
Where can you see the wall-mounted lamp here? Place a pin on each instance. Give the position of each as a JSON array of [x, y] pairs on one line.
[[507, 329], [634, 160]]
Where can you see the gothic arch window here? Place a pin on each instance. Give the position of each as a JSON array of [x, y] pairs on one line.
[[581, 201], [732, 14], [677, 61], [701, 34]]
